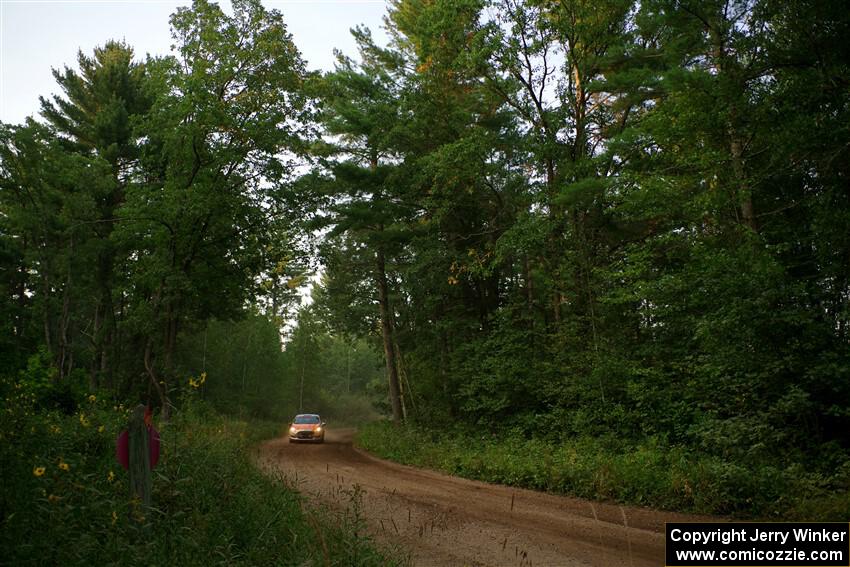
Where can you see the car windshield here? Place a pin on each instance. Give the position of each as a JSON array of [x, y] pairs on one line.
[[306, 419]]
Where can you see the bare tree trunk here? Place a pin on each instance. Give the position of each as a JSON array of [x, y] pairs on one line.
[[736, 148], [444, 372], [104, 359], [403, 381], [94, 368], [170, 342], [387, 327], [743, 192], [160, 391], [103, 334], [64, 360], [170, 338], [529, 286], [117, 341], [22, 294], [387, 333], [48, 339]]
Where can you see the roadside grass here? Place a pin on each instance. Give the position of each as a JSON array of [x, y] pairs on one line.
[[64, 498], [650, 473]]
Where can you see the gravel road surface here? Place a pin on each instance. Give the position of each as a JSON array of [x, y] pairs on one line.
[[441, 520]]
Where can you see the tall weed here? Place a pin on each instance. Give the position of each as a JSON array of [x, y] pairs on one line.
[[64, 498], [649, 473]]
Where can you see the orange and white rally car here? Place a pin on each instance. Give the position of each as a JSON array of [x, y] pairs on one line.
[[307, 427]]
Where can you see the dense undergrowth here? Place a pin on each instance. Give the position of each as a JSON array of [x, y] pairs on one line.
[[648, 473], [64, 498]]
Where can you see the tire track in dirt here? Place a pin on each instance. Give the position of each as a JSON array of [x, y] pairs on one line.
[[446, 521]]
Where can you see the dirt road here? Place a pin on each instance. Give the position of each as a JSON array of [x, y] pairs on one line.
[[444, 520]]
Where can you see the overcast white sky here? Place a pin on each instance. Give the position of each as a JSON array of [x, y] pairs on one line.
[[36, 35]]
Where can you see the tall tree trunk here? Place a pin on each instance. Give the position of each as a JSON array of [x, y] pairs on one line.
[[554, 251], [21, 293], [170, 339], [444, 371], [171, 327], [94, 367], [65, 360], [47, 326], [745, 197], [104, 321], [149, 367], [528, 289], [161, 390], [387, 327], [729, 69], [387, 334]]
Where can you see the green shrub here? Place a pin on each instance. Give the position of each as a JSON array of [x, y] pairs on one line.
[[649, 473], [64, 498]]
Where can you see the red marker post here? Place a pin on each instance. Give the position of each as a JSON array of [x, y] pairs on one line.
[[137, 449], [122, 447]]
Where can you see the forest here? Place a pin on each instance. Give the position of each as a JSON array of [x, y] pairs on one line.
[[616, 226]]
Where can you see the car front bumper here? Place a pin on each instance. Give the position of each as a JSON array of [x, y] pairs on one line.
[[307, 436]]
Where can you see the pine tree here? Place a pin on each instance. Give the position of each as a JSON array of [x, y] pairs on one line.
[[96, 115]]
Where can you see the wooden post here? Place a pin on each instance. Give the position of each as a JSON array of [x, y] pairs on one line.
[[140, 457]]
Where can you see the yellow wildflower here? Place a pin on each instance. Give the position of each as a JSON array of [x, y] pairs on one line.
[[111, 476], [64, 466], [100, 429], [55, 429], [114, 517], [203, 377], [92, 398], [38, 471], [84, 421]]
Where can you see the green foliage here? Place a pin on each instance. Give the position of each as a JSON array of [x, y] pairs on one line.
[[649, 473], [634, 239], [615, 220], [38, 383], [330, 374], [491, 385], [150, 200], [245, 368], [65, 500]]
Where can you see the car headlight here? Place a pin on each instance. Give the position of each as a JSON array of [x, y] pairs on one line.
[[292, 430], [319, 429]]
